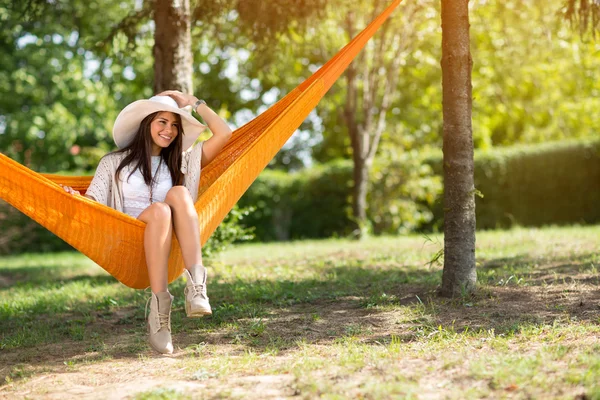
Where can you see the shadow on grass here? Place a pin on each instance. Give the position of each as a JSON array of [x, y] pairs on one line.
[[372, 303], [44, 277], [514, 295], [525, 270]]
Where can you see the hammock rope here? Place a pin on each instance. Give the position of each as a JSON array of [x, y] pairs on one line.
[[115, 240]]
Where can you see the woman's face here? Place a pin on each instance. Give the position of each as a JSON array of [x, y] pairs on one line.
[[164, 129]]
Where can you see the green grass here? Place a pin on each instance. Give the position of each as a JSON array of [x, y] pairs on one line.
[[161, 394], [330, 319]]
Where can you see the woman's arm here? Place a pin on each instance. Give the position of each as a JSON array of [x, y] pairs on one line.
[[221, 134], [219, 128]]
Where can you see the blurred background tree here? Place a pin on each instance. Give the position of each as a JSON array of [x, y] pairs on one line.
[[71, 65], [79, 62]]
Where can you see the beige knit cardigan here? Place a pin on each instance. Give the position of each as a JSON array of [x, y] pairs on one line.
[[107, 190]]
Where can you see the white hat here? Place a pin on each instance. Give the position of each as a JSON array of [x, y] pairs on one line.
[[129, 119]]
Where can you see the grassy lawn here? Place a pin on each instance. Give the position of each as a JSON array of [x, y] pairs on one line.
[[330, 319]]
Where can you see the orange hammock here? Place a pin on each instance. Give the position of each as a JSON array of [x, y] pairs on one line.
[[115, 240]]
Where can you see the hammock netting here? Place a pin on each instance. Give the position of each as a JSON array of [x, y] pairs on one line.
[[115, 240]]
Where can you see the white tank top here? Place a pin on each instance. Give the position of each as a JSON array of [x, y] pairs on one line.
[[136, 194]]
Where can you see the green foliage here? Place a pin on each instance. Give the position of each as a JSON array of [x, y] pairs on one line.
[[65, 73], [53, 103], [269, 195], [321, 200], [307, 204], [303, 204], [162, 394], [66, 70], [231, 230], [554, 183], [403, 191], [533, 80], [316, 202], [263, 20]]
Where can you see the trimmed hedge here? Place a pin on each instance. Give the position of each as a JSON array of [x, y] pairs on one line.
[[313, 203], [535, 185], [554, 183], [316, 203]]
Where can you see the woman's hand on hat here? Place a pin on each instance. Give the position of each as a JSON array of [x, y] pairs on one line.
[[69, 189], [182, 99]]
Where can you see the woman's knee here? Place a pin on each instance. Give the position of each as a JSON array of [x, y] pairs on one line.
[[178, 195], [159, 212]]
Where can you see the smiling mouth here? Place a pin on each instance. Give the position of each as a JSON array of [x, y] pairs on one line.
[[165, 137]]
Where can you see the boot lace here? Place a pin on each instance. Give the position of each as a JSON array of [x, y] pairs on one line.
[[196, 289], [163, 320]]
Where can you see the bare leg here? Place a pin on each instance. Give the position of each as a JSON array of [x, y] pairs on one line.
[[157, 244], [186, 226], [185, 221]]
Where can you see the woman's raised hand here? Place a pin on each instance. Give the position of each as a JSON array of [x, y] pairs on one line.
[[182, 99], [69, 189]]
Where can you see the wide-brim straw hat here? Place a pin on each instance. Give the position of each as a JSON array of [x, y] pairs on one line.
[[129, 119]]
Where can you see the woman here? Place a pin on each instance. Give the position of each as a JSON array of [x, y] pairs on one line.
[[154, 177]]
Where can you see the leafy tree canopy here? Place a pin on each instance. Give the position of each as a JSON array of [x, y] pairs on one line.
[[69, 66]]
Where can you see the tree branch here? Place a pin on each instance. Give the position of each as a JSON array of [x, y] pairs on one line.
[[128, 25], [583, 14]]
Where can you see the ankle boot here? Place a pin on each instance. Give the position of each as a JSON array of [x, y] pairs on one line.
[[159, 322], [196, 300]]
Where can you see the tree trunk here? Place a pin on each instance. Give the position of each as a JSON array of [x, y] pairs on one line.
[[359, 194], [172, 46], [359, 142], [459, 276]]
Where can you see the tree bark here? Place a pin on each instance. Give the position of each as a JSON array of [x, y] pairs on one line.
[[459, 276], [360, 141], [172, 46]]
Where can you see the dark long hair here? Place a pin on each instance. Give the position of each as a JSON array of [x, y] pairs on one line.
[[139, 152]]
